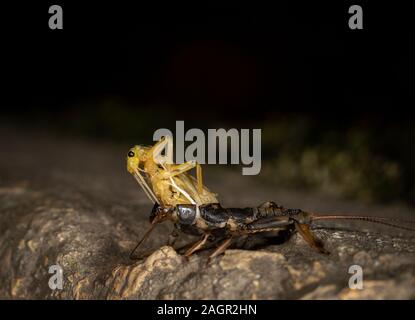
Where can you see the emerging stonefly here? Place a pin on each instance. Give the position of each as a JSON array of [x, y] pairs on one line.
[[184, 200]]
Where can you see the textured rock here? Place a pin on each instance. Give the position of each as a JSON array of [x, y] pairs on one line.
[[73, 204]]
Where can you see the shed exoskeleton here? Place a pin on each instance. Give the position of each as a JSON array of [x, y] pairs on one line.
[[167, 184]]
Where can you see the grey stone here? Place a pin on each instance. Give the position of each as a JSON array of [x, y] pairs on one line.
[[73, 204]]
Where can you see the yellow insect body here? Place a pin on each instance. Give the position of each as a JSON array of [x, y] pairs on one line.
[[164, 183]]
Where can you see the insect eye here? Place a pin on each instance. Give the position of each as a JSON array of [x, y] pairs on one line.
[[131, 154]]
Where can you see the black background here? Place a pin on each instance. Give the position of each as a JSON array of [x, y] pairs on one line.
[[120, 70], [321, 309], [241, 61]]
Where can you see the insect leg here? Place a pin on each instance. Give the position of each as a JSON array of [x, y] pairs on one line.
[[146, 235], [220, 249], [174, 170], [304, 230], [185, 247], [166, 143], [186, 166], [197, 245], [170, 242], [199, 177], [177, 169]]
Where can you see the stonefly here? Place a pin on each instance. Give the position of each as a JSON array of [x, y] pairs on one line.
[[184, 200]]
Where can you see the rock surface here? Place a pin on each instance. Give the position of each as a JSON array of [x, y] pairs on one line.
[[72, 204]]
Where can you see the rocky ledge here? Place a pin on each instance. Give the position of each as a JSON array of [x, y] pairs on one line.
[[71, 204]]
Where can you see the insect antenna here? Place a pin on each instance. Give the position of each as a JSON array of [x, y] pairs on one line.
[[395, 223]]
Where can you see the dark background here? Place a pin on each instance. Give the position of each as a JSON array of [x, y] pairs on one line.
[[320, 91]]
